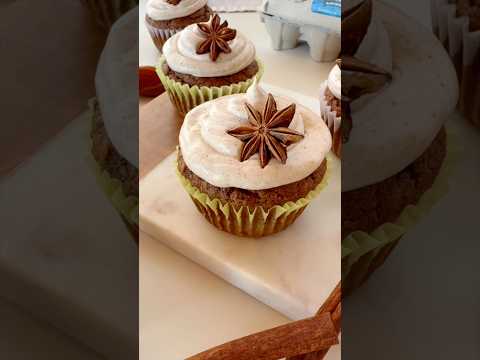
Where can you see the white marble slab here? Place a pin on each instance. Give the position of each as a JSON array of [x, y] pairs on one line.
[[68, 259], [293, 271]]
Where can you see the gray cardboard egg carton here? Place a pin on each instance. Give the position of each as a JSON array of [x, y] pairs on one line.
[[290, 22]]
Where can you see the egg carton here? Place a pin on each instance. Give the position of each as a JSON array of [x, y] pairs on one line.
[[290, 22]]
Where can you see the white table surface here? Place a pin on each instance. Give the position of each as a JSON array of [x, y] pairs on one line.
[[23, 337]]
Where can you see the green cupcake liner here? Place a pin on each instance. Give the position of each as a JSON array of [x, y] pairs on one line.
[[247, 222], [186, 97], [363, 253], [126, 205]]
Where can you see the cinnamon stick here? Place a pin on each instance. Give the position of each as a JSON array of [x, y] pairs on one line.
[[332, 307], [300, 337], [332, 301]]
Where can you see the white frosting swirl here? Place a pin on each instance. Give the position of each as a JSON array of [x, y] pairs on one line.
[[162, 10], [180, 52], [213, 155], [335, 82]]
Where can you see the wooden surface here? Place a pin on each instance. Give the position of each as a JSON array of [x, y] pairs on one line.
[[159, 126]]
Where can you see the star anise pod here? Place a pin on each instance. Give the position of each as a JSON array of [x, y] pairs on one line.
[[217, 38], [174, 2], [268, 133]]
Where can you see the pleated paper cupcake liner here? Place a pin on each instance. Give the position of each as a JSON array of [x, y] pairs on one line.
[[333, 122], [160, 36], [463, 46], [363, 253], [186, 97], [246, 222], [126, 205]]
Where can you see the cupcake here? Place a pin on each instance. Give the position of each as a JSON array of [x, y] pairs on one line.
[[457, 25], [206, 61], [167, 17], [331, 107], [114, 112], [395, 147], [106, 12], [117, 177], [252, 162]]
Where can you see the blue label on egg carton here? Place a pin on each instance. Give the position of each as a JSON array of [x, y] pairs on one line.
[[327, 7]]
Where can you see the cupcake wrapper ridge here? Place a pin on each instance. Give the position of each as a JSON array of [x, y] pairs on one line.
[[333, 121], [160, 36], [186, 97], [363, 253], [247, 222], [127, 206], [463, 46]]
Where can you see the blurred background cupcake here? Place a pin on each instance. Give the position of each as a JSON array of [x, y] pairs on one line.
[[114, 113], [106, 12], [457, 25], [206, 61], [395, 149], [165, 18], [252, 162], [331, 107]]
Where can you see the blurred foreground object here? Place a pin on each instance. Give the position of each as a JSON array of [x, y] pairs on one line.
[[106, 12], [49, 73]]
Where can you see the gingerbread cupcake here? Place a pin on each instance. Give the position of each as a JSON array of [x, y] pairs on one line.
[[206, 61], [395, 148], [331, 107], [114, 114], [165, 18], [252, 162]]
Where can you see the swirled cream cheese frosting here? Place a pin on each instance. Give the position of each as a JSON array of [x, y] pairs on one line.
[[162, 10], [214, 156], [334, 82], [180, 52]]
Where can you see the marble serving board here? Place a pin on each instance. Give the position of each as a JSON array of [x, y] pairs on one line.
[[293, 271], [68, 259]]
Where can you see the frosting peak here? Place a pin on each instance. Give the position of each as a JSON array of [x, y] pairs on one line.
[[163, 10], [256, 96], [335, 82], [180, 52]]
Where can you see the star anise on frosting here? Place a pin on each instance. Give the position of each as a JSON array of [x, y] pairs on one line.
[[217, 37], [267, 134], [174, 2], [358, 78]]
